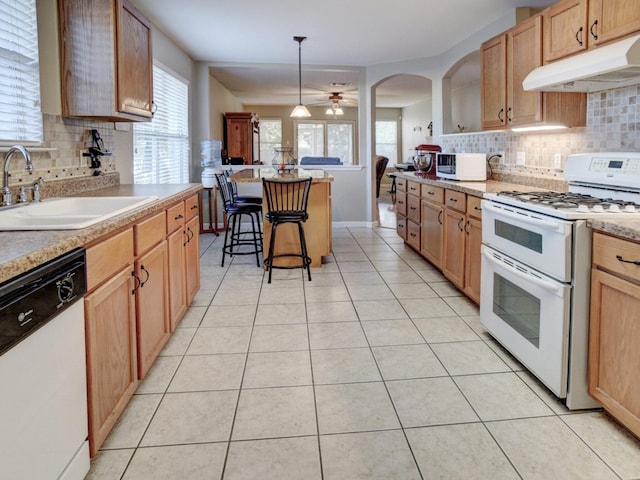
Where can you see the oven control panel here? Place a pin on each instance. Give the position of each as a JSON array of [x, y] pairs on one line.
[[619, 170], [609, 165]]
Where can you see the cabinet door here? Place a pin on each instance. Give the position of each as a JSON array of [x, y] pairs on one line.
[[473, 229], [176, 243], [432, 232], [612, 19], [134, 60], [565, 29], [111, 353], [401, 226], [614, 357], [413, 234], [494, 77], [152, 306], [239, 135], [454, 247], [524, 53], [192, 259]]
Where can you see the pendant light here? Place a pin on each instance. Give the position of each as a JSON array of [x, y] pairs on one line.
[[300, 111]]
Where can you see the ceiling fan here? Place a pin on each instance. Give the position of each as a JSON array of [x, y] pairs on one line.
[[335, 101]]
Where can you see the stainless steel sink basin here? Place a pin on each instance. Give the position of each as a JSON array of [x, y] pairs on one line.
[[67, 213]]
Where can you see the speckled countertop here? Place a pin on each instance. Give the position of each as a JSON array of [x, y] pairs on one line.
[[252, 175], [627, 229], [23, 250], [477, 189]]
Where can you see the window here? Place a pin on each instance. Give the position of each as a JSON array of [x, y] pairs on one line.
[[387, 139], [270, 139], [325, 139], [161, 147], [20, 115]]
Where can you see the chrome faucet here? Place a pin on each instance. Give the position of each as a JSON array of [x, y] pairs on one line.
[[6, 192]]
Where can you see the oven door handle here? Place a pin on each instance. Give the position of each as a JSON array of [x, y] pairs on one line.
[[546, 224], [529, 278]]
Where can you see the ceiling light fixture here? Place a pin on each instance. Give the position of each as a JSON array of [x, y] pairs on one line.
[[334, 109], [300, 111]]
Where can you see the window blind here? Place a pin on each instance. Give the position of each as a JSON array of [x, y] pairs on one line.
[[20, 115], [161, 146]]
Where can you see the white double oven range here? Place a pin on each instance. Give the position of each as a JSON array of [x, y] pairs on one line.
[[536, 263]]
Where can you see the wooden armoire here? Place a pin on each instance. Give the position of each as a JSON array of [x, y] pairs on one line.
[[242, 136]]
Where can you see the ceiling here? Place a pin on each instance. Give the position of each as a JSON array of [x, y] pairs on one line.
[[250, 46]]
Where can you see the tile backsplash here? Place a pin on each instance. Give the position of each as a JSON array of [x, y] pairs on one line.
[[613, 124], [59, 156]]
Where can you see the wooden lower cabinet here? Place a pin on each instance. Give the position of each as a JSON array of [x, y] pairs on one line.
[[614, 329], [112, 375], [176, 242], [432, 232], [454, 247], [192, 258], [473, 230], [401, 226], [152, 306]]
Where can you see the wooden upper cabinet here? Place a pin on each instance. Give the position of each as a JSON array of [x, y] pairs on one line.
[[106, 63], [494, 77], [572, 26]]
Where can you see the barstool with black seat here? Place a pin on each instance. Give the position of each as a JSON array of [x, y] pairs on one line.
[[240, 198], [234, 237], [287, 203]]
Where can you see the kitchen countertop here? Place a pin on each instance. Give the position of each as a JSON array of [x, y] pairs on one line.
[[24, 250], [627, 229], [253, 175], [477, 189]]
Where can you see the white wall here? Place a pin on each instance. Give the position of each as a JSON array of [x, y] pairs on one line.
[[415, 131], [465, 108]]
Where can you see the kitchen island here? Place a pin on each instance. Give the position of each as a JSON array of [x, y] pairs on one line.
[[317, 229]]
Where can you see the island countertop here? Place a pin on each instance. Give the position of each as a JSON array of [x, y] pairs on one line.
[[253, 175], [24, 250]]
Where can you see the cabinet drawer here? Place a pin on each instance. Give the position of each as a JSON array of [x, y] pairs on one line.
[[455, 200], [401, 184], [606, 251], [149, 232], [474, 208], [401, 226], [401, 204], [432, 193], [413, 234], [108, 257], [191, 208], [413, 208], [413, 188], [175, 217]]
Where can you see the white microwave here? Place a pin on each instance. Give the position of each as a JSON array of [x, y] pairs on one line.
[[462, 166]]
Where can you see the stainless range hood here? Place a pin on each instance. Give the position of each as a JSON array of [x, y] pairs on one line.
[[611, 66]]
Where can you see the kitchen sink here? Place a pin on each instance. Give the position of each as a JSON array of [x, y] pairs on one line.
[[68, 213]]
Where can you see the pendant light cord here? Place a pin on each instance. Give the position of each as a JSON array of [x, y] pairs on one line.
[[300, 40]]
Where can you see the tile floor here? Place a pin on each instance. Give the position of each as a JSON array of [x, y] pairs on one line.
[[376, 369]]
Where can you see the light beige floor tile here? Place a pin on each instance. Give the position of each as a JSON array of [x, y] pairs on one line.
[[398, 265], [208, 372], [412, 290], [501, 396], [321, 278], [275, 459], [229, 316], [462, 305], [391, 332], [336, 335], [445, 289], [611, 442], [445, 329], [367, 456], [203, 297], [220, 340], [240, 296], [370, 292], [362, 278], [237, 282], [459, 452], [179, 341], [193, 462], [474, 323], [109, 464], [276, 338], [344, 366], [352, 256], [427, 307], [133, 422], [353, 266], [325, 294], [408, 361], [331, 312], [548, 397], [275, 412], [504, 355], [193, 417], [192, 317], [401, 277], [431, 275], [379, 310], [429, 401], [281, 313], [354, 407], [468, 358], [544, 448], [277, 369], [159, 375], [279, 295]]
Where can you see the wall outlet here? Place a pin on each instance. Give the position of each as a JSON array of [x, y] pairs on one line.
[[520, 158], [503, 158], [557, 161]]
